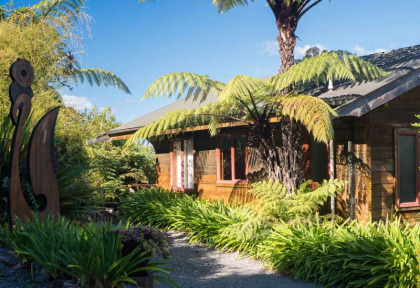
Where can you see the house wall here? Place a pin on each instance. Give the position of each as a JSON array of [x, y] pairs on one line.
[[361, 160], [398, 113], [374, 161], [205, 173], [374, 140]]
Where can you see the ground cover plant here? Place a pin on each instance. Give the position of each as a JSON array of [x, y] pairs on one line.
[[298, 242], [90, 253], [379, 254], [227, 226]]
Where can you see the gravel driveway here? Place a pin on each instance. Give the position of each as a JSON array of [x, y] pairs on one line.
[[201, 267]]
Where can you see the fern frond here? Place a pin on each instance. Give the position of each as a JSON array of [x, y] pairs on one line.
[[99, 77], [308, 200], [242, 88], [311, 112], [333, 65], [183, 84]]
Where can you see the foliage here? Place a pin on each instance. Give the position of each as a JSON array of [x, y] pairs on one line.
[[204, 220], [275, 203], [151, 240], [334, 65], [91, 253], [344, 255], [115, 167], [233, 227], [348, 255], [253, 102], [49, 34]]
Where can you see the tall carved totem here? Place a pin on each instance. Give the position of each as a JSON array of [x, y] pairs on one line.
[[41, 160]]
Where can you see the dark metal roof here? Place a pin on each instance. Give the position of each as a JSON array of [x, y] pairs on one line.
[[350, 99], [134, 125]]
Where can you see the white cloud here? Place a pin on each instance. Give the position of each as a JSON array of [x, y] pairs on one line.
[[78, 103], [359, 50], [270, 47], [300, 50]]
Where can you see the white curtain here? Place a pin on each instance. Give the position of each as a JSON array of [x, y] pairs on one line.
[[188, 164]]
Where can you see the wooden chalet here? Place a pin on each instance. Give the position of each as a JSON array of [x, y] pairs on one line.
[[374, 141]]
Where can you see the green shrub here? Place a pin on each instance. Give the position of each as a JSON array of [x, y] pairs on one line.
[[205, 221], [90, 253], [344, 255], [348, 255]]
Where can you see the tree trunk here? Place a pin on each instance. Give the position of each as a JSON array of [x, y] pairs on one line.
[[293, 171], [286, 21], [268, 153], [287, 43]]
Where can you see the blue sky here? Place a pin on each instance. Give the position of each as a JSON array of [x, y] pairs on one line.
[[142, 41]]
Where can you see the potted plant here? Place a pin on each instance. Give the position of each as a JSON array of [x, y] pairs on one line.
[[153, 243]]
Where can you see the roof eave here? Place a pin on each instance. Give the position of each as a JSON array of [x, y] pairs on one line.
[[380, 96]]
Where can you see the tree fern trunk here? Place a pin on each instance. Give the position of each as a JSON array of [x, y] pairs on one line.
[[286, 21], [293, 172], [264, 139]]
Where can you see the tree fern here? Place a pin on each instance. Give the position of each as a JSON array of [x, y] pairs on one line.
[[311, 112], [181, 85], [245, 100], [242, 88], [98, 77], [333, 65]]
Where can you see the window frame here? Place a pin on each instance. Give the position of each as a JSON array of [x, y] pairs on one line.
[[416, 134], [232, 151], [172, 163]]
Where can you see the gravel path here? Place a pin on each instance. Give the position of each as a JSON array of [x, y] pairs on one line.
[[14, 275], [197, 266]]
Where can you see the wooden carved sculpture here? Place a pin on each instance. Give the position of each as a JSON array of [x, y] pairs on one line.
[[41, 164]]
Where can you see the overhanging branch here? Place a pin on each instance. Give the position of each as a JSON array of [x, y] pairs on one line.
[[308, 8]]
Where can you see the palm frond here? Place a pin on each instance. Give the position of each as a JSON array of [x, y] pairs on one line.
[[67, 16], [332, 65], [46, 8], [183, 84], [312, 112], [99, 77], [226, 5]]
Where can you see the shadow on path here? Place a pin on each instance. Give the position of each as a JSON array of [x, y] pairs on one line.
[[198, 266]]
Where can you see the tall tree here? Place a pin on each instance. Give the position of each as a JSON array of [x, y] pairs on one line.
[[287, 14]]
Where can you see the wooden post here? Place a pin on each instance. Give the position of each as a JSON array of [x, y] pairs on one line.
[[332, 175], [350, 167]]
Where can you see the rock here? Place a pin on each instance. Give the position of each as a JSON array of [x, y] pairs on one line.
[[7, 252], [9, 261]]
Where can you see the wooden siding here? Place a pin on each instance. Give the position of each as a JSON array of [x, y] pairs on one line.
[[375, 157], [362, 173], [205, 177], [398, 113]]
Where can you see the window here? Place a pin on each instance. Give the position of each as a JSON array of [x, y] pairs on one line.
[[231, 158], [182, 165], [408, 168]]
